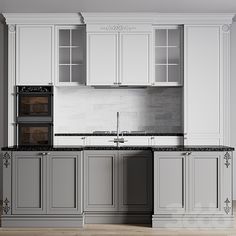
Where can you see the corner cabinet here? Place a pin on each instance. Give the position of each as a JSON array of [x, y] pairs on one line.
[[119, 55], [193, 189], [34, 54]]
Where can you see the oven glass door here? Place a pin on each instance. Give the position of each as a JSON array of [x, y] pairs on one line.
[[35, 134], [34, 105]]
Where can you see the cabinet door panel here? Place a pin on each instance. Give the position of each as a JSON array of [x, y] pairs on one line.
[[28, 184], [205, 178], [102, 58], [34, 55], [134, 58], [64, 185], [169, 182], [203, 85], [100, 181], [135, 181]]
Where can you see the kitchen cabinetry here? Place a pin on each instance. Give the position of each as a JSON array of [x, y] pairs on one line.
[[135, 181], [34, 54], [118, 181], [70, 55], [39, 187], [64, 190], [28, 183], [118, 55], [168, 43], [188, 184], [203, 90]]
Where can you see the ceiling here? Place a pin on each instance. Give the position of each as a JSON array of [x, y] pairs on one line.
[[166, 6]]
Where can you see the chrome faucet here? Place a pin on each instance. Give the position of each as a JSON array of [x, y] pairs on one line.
[[118, 140]]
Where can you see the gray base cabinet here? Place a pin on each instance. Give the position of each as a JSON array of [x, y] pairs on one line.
[[45, 187], [117, 181], [192, 189], [100, 181], [28, 183]]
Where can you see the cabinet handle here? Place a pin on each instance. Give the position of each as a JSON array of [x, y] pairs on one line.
[[115, 83], [44, 153], [119, 83], [50, 83], [187, 153], [83, 138]]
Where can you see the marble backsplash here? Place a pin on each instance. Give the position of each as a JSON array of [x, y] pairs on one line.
[[89, 109]]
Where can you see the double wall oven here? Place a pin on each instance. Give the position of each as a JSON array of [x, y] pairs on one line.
[[34, 115]]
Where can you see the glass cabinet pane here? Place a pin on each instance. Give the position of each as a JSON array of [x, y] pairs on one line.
[[64, 56], [173, 73], [173, 55], [161, 38], [77, 55], [77, 37], [160, 71], [161, 55], [64, 37], [173, 37], [64, 73], [77, 74]]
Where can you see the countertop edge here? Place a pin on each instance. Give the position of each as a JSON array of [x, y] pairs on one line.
[[150, 148]]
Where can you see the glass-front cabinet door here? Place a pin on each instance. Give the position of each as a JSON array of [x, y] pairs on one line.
[[168, 59], [70, 41]]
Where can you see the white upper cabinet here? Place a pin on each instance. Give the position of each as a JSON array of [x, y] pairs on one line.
[[118, 55], [134, 58], [34, 55], [203, 87], [70, 55], [102, 55], [168, 48]]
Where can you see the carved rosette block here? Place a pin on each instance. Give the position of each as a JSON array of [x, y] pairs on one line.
[[227, 208], [227, 158], [11, 28], [6, 206], [226, 28], [6, 159]]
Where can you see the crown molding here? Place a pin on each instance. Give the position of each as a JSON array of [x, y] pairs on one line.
[[157, 18], [118, 17], [43, 18]]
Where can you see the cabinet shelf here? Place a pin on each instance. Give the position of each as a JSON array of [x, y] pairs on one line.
[[69, 46], [166, 64], [74, 64]]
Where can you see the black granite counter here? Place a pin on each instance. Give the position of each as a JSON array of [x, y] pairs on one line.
[[151, 148], [124, 134]]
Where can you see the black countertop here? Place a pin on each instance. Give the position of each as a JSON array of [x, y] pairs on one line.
[[124, 134], [151, 148]]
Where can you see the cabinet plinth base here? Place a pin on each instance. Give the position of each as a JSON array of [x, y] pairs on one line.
[[117, 218], [52, 221], [192, 221]]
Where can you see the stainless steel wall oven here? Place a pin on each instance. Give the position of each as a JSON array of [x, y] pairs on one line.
[[34, 116]]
